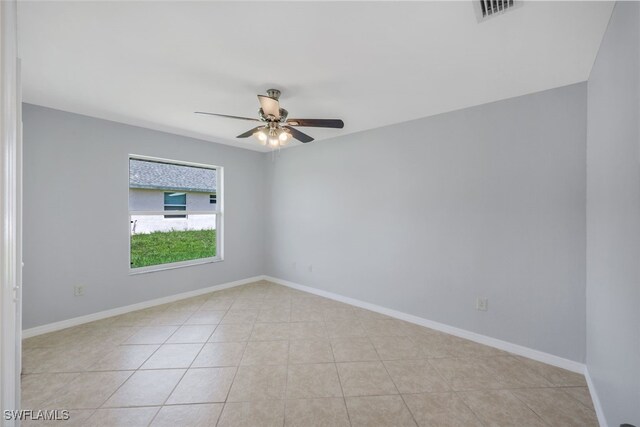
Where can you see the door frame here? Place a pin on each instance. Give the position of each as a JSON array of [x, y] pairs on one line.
[[10, 212]]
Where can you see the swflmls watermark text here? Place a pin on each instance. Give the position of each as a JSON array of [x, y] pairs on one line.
[[37, 415]]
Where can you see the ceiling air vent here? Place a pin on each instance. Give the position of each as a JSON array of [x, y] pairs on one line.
[[487, 8]]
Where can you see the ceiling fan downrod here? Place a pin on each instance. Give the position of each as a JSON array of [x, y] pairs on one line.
[[273, 93]]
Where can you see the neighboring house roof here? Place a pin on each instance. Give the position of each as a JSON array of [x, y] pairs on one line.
[[166, 176]]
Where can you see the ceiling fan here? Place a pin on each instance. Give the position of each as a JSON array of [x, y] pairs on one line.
[[277, 129]]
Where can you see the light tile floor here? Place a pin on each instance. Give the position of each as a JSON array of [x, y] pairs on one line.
[[266, 355]]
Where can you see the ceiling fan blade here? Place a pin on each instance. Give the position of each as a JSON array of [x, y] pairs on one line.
[[300, 136], [317, 123], [227, 116], [270, 106], [249, 132]]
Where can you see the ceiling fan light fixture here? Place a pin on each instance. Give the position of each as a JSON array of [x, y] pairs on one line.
[[261, 136], [284, 136], [274, 141]]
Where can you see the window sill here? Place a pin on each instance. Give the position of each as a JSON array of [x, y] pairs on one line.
[[171, 266]]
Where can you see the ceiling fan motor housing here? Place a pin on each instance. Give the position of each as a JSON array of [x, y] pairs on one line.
[[268, 118], [273, 93]]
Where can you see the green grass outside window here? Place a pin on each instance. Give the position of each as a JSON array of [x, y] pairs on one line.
[[163, 247]]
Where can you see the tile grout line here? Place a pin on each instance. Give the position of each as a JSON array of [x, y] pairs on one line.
[[185, 371], [561, 388], [286, 378], [457, 394], [394, 385], [529, 408], [233, 380], [235, 374], [133, 372], [451, 389], [191, 364], [344, 397]]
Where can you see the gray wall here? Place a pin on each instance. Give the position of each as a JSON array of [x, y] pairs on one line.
[[425, 216], [76, 223], [613, 219], [422, 217]]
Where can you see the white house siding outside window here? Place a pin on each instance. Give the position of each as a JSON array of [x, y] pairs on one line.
[[191, 233]]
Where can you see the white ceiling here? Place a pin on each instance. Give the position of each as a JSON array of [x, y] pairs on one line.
[[370, 63]]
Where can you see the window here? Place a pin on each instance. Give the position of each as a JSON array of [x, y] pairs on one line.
[[175, 202], [159, 240]]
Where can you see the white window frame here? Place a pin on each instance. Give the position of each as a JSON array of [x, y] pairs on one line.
[[218, 213]]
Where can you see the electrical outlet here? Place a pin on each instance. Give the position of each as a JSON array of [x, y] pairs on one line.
[[294, 265], [78, 290], [482, 304], [310, 268]]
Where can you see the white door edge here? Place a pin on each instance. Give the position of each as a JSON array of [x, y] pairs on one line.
[[10, 169]]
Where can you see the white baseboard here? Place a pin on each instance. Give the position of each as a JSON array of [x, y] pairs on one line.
[[530, 353], [63, 324], [462, 333], [595, 399]]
